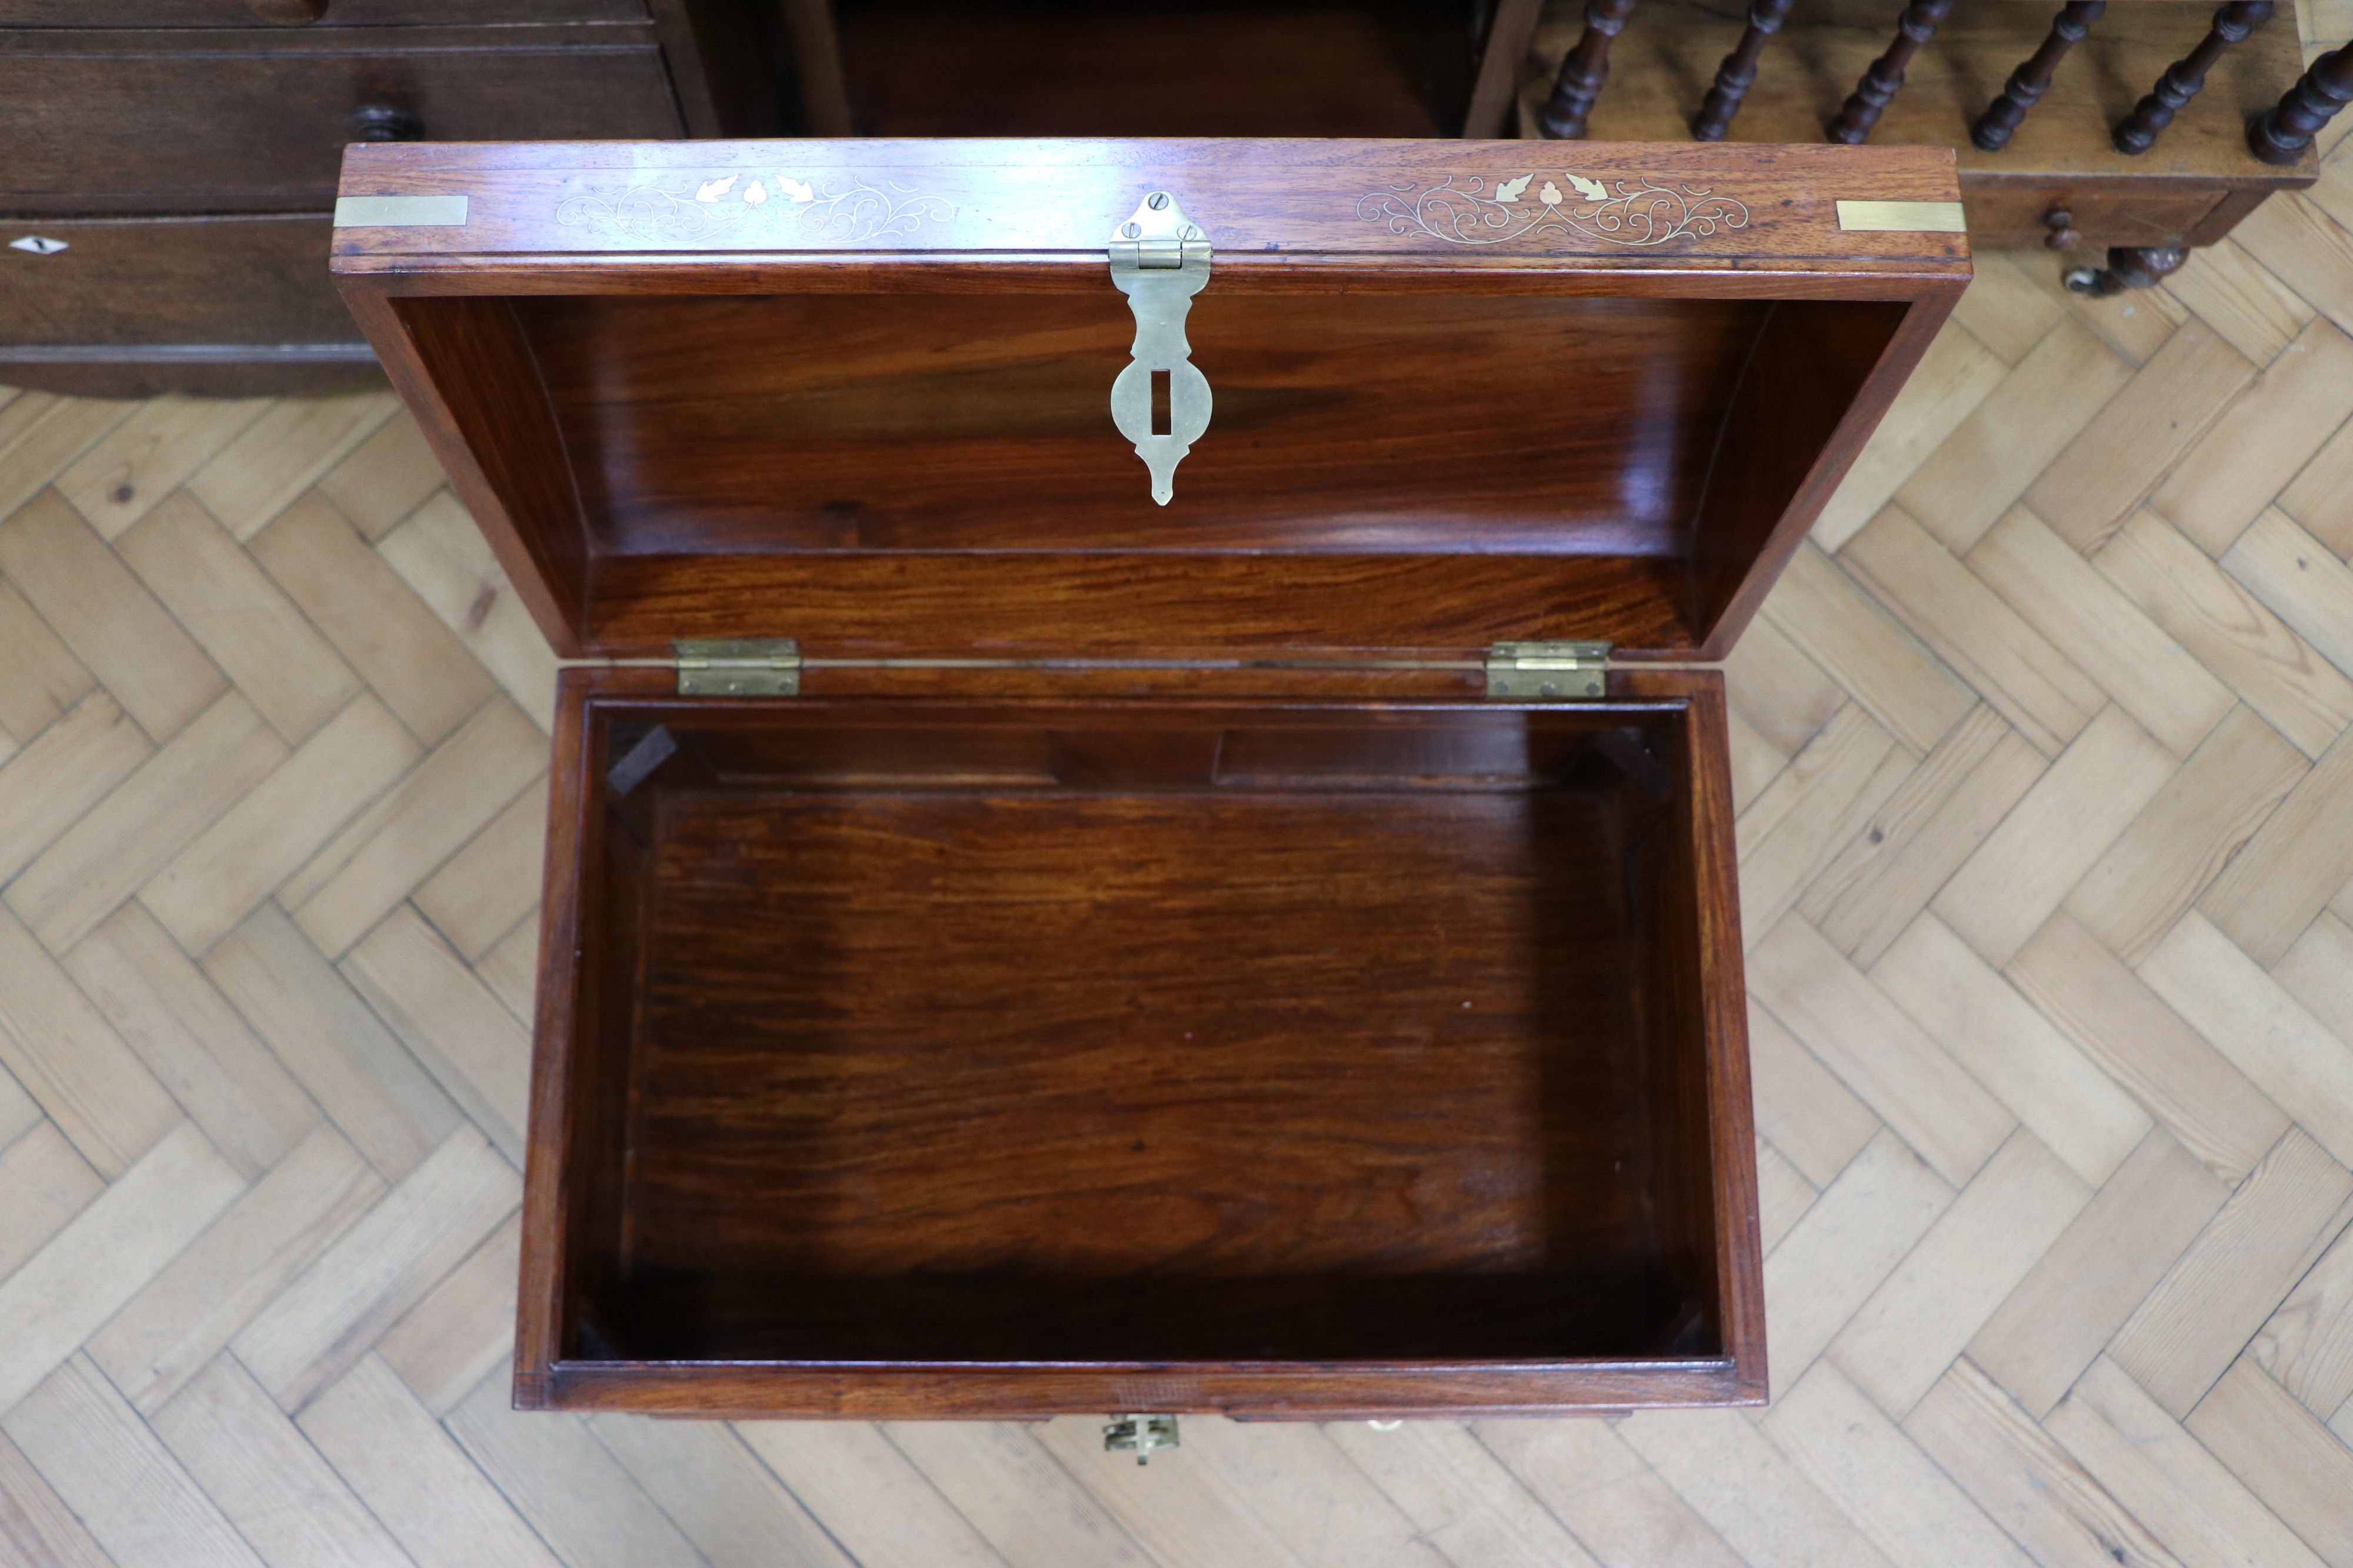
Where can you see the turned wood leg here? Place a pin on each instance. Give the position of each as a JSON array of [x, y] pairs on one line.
[[2280, 134], [1738, 72], [2129, 266], [1879, 84], [2029, 81], [2139, 131], [1584, 71]]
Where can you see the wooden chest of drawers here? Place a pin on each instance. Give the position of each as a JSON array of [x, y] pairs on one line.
[[1162, 838], [185, 152]]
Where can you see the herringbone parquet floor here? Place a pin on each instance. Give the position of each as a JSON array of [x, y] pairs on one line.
[[2045, 760]]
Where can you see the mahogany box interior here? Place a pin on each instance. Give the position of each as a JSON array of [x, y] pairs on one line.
[[1140, 970]]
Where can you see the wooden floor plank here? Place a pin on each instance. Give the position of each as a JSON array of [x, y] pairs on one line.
[[1859, 644], [1818, 802], [2088, 620], [2058, 831], [2089, 1280], [138, 829], [1759, 1503], [1956, 375], [384, 477], [2284, 1454], [338, 896], [138, 1504], [371, 1274], [2295, 862], [731, 1506], [1617, 1507], [44, 677], [69, 1058], [2185, 1498], [868, 1496], [1900, 1340], [1865, 1463], [251, 849], [110, 620], [564, 1483], [1004, 1483], [2265, 438], [2228, 630], [289, 672], [66, 769], [442, 556], [2074, 1107], [2253, 1020], [2172, 400], [38, 1528], [413, 1476], [1849, 1024], [1459, 1497], [1781, 693], [193, 1041], [2238, 297], [286, 1500], [2195, 826], [44, 1183], [2049, 397], [1988, 645], [2299, 579], [255, 476], [2307, 1346], [126, 473], [375, 620], [336, 1047], [2241, 1266], [1804, 1109], [261, 1244], [493, 880], [1870, 891], [463, 1330], [2026, 1481], [1851, 1239], [2206, 1102], [449, 1021]]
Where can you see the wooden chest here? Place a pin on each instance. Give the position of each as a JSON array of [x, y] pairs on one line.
[[1251, 953]]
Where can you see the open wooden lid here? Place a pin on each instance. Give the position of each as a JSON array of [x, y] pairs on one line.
[[860, 393]]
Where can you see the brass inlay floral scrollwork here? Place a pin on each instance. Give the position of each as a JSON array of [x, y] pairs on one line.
[[1460, 210], [756, 204]]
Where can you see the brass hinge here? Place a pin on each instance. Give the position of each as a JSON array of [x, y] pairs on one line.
[[1143, 1435], [742, 667], [1548, 671]]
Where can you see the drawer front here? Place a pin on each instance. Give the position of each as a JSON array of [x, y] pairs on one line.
[[135, 125], [326, 12], [2010, 215], [196, 280]]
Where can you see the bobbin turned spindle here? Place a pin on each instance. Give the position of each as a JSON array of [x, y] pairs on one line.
[[1738, 72], [2281, 133], [1584, 71], [1879, 84], [2029, 81], [2139, 131]]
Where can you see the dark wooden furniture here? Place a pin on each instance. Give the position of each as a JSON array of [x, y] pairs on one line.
[[2032, 80], [2284, 134], [185, 152], [2031, 104], [1181, 67], [1141, 957], [2185, 78]]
